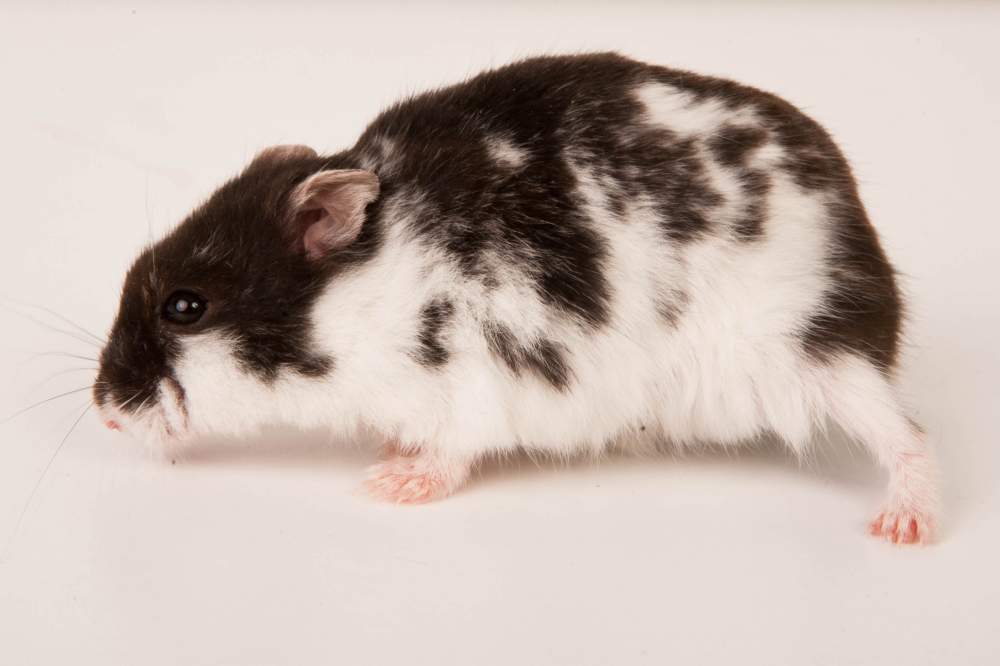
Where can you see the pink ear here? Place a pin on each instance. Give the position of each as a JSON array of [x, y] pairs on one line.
[[283, 153], [328, 208]]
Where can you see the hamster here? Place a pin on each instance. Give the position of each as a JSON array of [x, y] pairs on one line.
[[566, 254]]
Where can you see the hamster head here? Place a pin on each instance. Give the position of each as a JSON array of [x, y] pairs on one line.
[[217, 312]]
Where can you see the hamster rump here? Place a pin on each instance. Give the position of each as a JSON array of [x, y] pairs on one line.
[[565, 254]]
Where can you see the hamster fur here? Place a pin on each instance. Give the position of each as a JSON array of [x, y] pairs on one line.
[[564, 255]]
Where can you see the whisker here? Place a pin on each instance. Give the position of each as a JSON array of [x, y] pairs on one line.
[[149, 231], [62, 318], [137, 394], [45, 471], [42, 402], [143, 403], [79, 357], [89, 368], [73, 334]]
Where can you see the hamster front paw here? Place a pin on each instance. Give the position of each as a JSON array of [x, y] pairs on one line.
[[413, 477]]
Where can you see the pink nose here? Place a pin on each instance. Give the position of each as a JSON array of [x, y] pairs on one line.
[[113, 425]]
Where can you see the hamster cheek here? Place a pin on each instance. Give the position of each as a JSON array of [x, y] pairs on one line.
[[219, 396]]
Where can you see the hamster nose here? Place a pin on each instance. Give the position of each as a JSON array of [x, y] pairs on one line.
[[112, 424]]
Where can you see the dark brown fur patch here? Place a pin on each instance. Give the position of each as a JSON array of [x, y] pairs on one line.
[[544, 358], [732, 144], [434, 317], [670, 306], [863, 311]]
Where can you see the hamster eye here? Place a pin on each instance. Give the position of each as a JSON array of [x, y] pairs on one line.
[[184, 307]]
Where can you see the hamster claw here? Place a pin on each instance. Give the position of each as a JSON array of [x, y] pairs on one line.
[[903, 525]]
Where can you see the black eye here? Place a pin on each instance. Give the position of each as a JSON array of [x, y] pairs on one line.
[[184, 307]]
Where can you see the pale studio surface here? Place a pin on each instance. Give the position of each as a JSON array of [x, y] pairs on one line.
[[119, 119]]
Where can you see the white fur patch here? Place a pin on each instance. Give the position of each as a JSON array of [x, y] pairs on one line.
[[505, 153], [682, 112], [383, 158]]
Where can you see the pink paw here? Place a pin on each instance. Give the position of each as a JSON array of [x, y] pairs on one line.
[[903, 525], [407, 480]]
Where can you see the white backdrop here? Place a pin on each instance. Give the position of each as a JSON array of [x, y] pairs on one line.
[[115, 120]]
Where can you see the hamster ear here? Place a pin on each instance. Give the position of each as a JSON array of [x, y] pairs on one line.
[[282, 153], [328, 208]]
